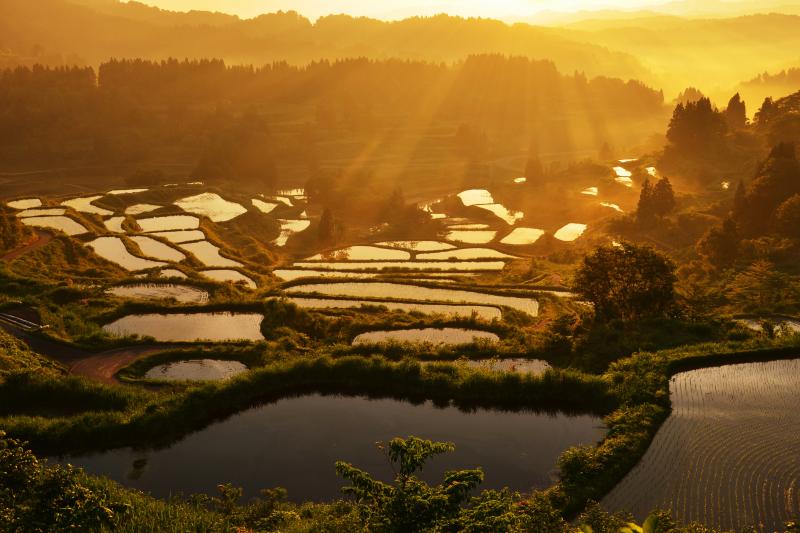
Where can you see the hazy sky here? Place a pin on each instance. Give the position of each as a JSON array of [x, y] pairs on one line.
[[392, 9]]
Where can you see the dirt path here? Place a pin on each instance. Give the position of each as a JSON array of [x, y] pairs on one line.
[[104, 366], [42, 238]]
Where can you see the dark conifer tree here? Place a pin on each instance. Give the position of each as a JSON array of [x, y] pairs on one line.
[[736, 113]]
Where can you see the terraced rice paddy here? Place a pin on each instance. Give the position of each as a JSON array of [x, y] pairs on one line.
[[43, 212], [293, 274], [483, 312], [181, 236], [438, 336], [168, 223], [61, 223], [172, 273], [464, 266], [196, 370], [570, 232], [728, 454], [502, 212], [522, 236], [233, 276], [471, 236], [183, 327], [264, 207], [139, 209], [126, 191], [161, 291], [362, 253], [464, 253], [85, 205], [289, 228], [418, 246], [400, 291], [208, 254], [522, 366], [157, 249], [211, 205], [114, 224], [25, 203], [476, 197], [113, 249]]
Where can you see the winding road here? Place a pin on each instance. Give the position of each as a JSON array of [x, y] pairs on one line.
[[42, 238]]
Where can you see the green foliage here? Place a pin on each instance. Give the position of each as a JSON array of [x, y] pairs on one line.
[[628, 282]]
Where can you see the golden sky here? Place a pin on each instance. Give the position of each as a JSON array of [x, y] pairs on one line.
[[394, 9]]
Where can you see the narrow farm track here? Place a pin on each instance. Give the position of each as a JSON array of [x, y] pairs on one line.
[[42, 238], [729, 454]]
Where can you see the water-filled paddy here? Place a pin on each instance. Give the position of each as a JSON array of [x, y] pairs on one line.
[[181, 236], [161, 291], [25, 203], [113, 249], [234, 276], [418, 246], [264, 207], [570, 232], [465, 253], [211, 205], [289, 228], [468, 226], [208, 254], [190, 327], [522, 236], [279, 444], [362, 253], [469, 266], [483, 312], [727, 456], [85, 205], [426, 335], [196, 370], [470, 236], [114, 224], [126, 191], [172, 273], [476, 197], [139, 209], [502, 212], [293, 274], [168, 223], [522, 366], [157, 249], [61, 223], [414, 292], [43, 212]]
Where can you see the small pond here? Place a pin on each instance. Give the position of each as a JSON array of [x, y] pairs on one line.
[[157, 249], [211, 205], [234, 276], [190, 327], [161, 291], [196, 370], [294, 443], [65, 224], [168, 223], [484, 312], [113, 249], [85, 205], [208, 254], [470, 236], [414, 292], [426, 335], [409, 265], [522, 236], [362, 253]]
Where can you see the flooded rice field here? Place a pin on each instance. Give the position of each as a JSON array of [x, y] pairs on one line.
[[418, 246], [522, 366], [172, 273], [113, 249], [234, 276], [464, 253], [438, 336], [43, 212], [114, 224], [85, 205], [157, 249], [483, 312], [523, 236], [278, 445], [190, 327], [467, 266], [161, 291], [362, 253], [414, 292], [264, 207], [168, 223], [196, 370], [24, 203], [502, 212], [289, 228], [208, 254], [570, 232], [181, 236], [727, 456], [61, 223], [471, 236], [140, 209], [211, 205]]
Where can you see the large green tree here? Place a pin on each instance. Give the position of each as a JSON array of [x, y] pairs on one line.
[[627, 282]]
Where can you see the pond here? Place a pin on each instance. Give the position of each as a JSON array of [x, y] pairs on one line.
[[161, 291], [509, 217], [233, 276], [139, 209], [113, 249], [522, 366], [400, 291], [483, 312], [168, 223], [452, 336], [24, 203], [465, 253], [65, 224], [157, 249], [180, 236], [208, 254], [114, 224], [570, 232], [418, 246], [43, 212], [469, 266], [84, 205], [211, 205], [522, 236], [289, 228], [190, 327], [196, 370], [471, 237], [264, 207], [476, 197], [294, 443], [362, 253]]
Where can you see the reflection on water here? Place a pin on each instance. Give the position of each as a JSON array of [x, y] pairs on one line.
[[208, 254], [84, 205], [196, 370], [234, 276], [158, 250], [113, 249], [25, 203], [522, 236], [168, 223], [44, 212], [62, 223], [466, 311], [465, 253], [211, 205], [426, 335], [362, 253], [161, 291], [295, 442], [418, 246], [138, 209], [509, 217], [410, 265], [185, 327], [471, 237], [570, 232]]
